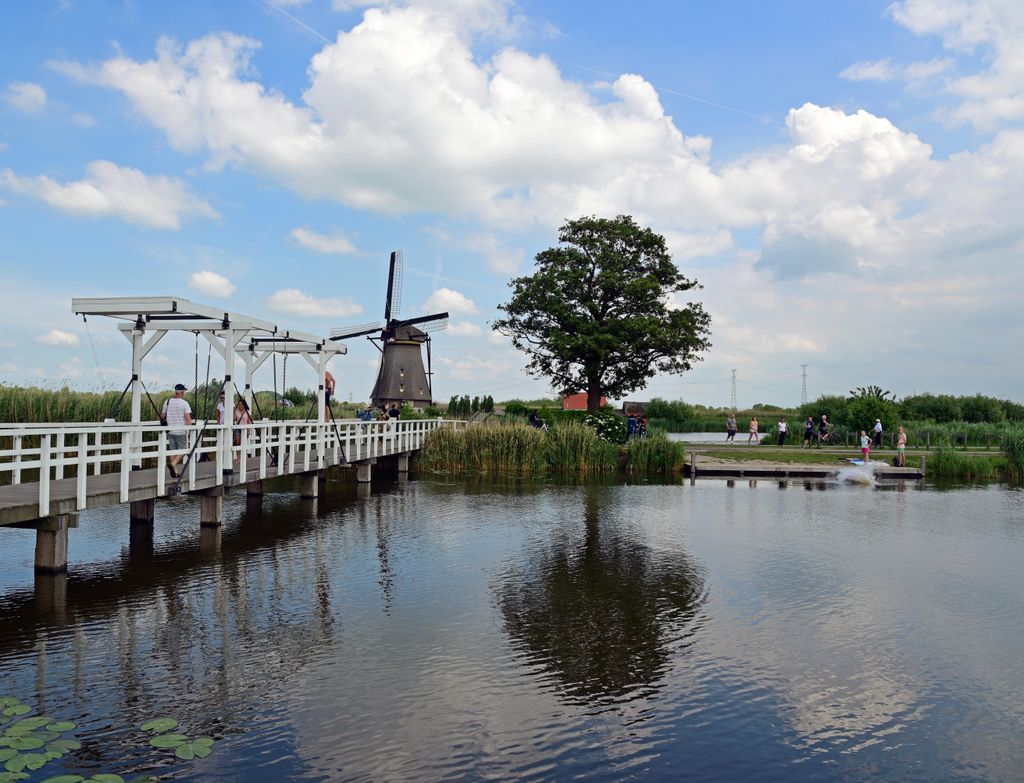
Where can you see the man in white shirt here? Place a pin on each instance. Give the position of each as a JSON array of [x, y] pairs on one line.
[[178, 415], [878, 433]]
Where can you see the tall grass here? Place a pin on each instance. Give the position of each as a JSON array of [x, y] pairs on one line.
[[655, 454], [947, 462], [518, 449], [34, 405], [575, 448]]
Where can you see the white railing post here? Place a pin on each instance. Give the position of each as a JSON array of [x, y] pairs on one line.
[[308, 448], [192, 462], [44, 475], [97, 467], [161, 462], [264, 445], [83, 470], [58, 465], [243, 456], [219, 464], [280, 448], [16, 473], [126, 463]]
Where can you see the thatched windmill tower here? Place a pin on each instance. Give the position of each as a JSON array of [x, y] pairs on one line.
[[401, 377]]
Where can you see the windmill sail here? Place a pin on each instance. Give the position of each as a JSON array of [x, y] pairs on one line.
[[345, 332], [396, 274]]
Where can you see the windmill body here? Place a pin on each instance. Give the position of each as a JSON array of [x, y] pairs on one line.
[[401, 377]]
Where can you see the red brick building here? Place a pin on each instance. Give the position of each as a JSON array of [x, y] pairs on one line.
[[578, 402]]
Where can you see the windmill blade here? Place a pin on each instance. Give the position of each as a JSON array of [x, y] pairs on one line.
[[396, 273], [425, 323], [359, 330]]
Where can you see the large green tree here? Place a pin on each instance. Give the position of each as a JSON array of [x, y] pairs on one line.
[[596, 316]]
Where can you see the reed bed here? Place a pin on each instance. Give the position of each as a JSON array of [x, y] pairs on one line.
[[569, 448], [655, 454], [947, 462]]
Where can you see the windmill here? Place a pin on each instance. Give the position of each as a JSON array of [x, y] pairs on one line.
[[400, 376]]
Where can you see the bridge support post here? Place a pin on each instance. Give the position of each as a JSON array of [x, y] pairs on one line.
[[309, 485], [254, 488], [52, 545], [363, 472], [211, 507], [403, 462], [143, 511]]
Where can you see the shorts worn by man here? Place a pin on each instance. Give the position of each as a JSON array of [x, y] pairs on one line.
[[178, 415]]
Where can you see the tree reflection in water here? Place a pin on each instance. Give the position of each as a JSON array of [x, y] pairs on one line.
[[604, 615]]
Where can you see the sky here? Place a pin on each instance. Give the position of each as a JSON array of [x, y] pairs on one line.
[[845, 180]]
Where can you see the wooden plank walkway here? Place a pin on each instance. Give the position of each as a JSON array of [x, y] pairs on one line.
[[20, 502]]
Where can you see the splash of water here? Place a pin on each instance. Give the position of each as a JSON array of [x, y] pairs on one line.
[[858, 474]]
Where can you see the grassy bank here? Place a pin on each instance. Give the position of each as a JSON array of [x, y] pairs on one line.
[[568, 449]]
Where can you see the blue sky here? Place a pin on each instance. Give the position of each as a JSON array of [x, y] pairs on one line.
[[845, 179]]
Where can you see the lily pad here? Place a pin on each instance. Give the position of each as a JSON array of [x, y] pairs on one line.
[[7, 777], [61, 725], [36, 760], [26, 743], [16, 764], [64, 779], [168, 740], [63, 746], [7, 701], [160, 725], [27, 725], [16, 709], [7, 753]]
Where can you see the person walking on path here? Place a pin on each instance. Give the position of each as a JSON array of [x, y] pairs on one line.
[[823, 426], [631, 423], [901, 447], [808, 433], [781, 429], [753, 432], [730, 428], [865, 447], [178, 415], [878, 433]]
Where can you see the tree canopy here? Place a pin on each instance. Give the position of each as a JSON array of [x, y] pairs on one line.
[[597, 314]]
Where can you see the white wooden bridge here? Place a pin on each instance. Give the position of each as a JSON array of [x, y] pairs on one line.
[[50, 472]]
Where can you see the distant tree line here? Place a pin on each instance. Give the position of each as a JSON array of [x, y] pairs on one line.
[[464, 406]]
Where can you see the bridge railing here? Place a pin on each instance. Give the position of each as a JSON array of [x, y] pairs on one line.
[[44, 453]]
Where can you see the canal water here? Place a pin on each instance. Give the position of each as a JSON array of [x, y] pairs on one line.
[[453, 629]]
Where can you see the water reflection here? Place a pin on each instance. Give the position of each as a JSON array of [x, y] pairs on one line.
[[601, 612]]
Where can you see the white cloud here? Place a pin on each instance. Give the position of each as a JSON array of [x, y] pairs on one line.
[[996, 93], [83, 120], [337, 244], [58, 337], [26, 96], [464, 329], [109, 190], [451, 301], [885, 71], [294, 302], [211, 284]]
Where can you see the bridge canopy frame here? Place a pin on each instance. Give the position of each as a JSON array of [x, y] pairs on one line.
[[232, 335]]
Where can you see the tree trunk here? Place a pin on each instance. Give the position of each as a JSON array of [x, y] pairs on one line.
[[593, 395]]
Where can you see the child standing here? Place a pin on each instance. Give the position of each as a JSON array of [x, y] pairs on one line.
[[901, 447], [865, 446]]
